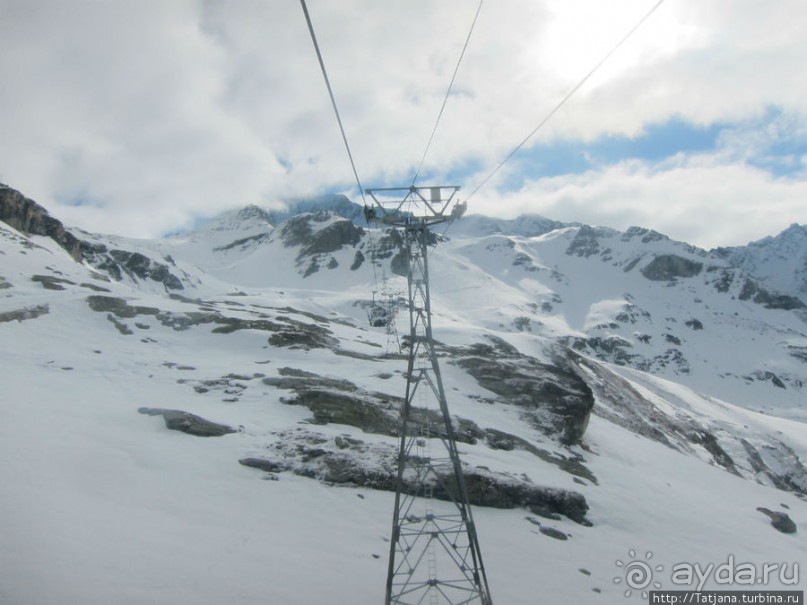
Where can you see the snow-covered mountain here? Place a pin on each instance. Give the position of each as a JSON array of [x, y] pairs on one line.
[[615, 395], [780, 261]]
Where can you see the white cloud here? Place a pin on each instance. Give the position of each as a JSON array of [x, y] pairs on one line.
[[699, 199], [156, 112]]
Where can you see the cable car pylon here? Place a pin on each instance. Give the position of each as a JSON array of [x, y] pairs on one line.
[[434, 550]]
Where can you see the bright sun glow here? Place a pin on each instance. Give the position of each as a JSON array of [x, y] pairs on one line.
[[583, 32]]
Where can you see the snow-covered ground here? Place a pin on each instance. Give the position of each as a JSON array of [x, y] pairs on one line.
[[100, 504]]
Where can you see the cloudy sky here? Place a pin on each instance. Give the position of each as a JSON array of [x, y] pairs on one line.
[[142, 118]]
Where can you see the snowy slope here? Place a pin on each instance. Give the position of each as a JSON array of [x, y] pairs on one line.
[[634, 298], [590, 288], [101, 504], [779, 260]]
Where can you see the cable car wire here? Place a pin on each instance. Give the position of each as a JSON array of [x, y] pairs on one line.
[[567, 97], [448, 93], [333, 99], [371, 244]]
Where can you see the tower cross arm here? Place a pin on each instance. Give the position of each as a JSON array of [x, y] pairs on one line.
[[403, 206]]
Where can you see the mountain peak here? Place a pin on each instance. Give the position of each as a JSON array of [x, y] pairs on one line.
[[28, 217], [794, 234], [780, 260], [335, 203], [525, 225], [250, 218], [795, 231], [252, 212]]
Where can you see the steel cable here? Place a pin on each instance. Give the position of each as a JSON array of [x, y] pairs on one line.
[[333, 99], [566, 98], [448, 93]]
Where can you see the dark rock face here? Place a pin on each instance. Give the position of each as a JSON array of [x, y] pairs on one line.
[[669, 266], [609, 348], [587, 242], [24, 314], [339, 401], [244, 242], [720, 278], [572, 464], [616, 349], [26, 216], [695, 324], [553, 397], [137, 266], [298, 231], [710, 443], [391, 245], [261, 464], [118, 306], [769, 300], [49, 282], [767, 375], [781, 521], [316, 243], [622, 404], [731, 279], [486, 489], [358, 259], [286, 332], [794, 478], [186, 422], [332, 238], [797, 351], [646, 235], [298, 335], [790, 244], [352, 462]]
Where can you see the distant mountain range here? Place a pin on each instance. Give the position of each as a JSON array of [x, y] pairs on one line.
[[612, 390], [779, 261]]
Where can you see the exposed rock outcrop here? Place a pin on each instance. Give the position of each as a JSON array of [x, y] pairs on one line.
[[668, 267], [339, 401], [353, 462], [25, 313], [285, 332], [586, 241], [768, 461], [317, 236], [302, 231], [135, 265], [779, 520], [28, 217], [186, 422], [758, 294], [552, 397]]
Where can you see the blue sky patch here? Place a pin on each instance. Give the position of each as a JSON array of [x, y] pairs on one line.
[[657, 142], [775, 142]]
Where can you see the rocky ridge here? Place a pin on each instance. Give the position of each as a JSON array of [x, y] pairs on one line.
[[553, 393]]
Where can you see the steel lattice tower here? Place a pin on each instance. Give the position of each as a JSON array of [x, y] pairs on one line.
[[434, 550]]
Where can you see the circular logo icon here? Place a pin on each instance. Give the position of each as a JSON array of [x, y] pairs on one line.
[[637, 574]]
